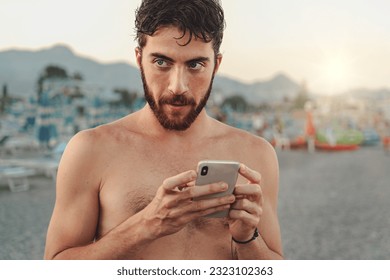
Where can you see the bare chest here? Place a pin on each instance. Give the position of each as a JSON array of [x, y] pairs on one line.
[[133, 176]]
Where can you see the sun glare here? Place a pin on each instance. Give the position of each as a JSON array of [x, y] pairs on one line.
[[336, 74], [335, 70]]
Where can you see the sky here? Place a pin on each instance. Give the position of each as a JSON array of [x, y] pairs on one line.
[[331, 45]]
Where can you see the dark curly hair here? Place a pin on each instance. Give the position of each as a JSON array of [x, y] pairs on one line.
[[203, 19]]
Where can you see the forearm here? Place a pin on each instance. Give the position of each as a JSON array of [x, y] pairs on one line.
[[125, 241], [255, 250]]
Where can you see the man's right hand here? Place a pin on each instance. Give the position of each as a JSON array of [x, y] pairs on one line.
[[174, 206]]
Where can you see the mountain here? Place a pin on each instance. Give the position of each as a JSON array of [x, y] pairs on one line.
[[20, 69], [276, 89], [373, 94]]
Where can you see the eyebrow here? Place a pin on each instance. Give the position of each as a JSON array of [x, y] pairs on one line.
[[196, 59]]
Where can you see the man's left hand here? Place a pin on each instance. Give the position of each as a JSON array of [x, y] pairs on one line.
[[246, 212]]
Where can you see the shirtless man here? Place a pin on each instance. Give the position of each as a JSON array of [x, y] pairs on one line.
[[125, 190]]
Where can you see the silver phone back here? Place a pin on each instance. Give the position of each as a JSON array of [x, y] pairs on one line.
[[218, 171]]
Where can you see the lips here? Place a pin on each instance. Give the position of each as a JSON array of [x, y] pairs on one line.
[[177, 101], [178, 104]]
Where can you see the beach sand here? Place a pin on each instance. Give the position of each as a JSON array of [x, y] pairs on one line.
[[331, 206], [335, 205]]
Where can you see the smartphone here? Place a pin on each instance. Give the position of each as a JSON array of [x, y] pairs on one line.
[[214, 171]]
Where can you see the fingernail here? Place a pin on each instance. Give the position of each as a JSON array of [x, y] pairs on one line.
[[192, 175], [224, 186]]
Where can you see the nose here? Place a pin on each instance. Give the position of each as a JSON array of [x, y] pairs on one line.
[[178, 83]]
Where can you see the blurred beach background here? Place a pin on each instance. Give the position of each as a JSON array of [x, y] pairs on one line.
[[311, 78], [331, 206]]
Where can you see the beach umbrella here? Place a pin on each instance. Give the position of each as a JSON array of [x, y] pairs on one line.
[[47, 129], [310, 129]]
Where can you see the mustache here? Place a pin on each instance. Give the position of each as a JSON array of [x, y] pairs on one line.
[[177, 100]]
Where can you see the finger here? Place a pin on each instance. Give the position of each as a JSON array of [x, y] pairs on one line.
[[183, 195], [179, 180], [194, 215], [244, 216], [248, 190], [202, 207], [248, 206], [185, 186], [191, 184], [186, 197], [199, 191], [250, 174], [203, 204]]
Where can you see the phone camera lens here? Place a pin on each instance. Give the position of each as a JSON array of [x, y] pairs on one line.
[[204, 170]]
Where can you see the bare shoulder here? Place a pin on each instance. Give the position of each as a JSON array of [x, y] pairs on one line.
[[92, 141], [87, 149], [255, 152], [245, 142], [84, 144]]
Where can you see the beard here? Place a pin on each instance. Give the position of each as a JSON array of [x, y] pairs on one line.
[[175, 121]]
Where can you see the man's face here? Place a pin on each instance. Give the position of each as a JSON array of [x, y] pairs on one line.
[[177, 79]]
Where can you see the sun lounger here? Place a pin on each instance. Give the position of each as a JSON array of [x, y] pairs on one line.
[[17, 177], [46, 165], [43, 165]]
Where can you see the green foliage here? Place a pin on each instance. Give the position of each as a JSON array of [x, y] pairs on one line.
[[126, 97], [236, 102], [57, 72], [5, 100], [301, 98], [51, 71], [78, 76]]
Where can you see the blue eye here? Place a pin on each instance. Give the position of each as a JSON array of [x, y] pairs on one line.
[[161, 62], [195, 65]]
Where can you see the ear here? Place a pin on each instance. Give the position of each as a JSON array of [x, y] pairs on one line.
[[138, 56], [218, 61]]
